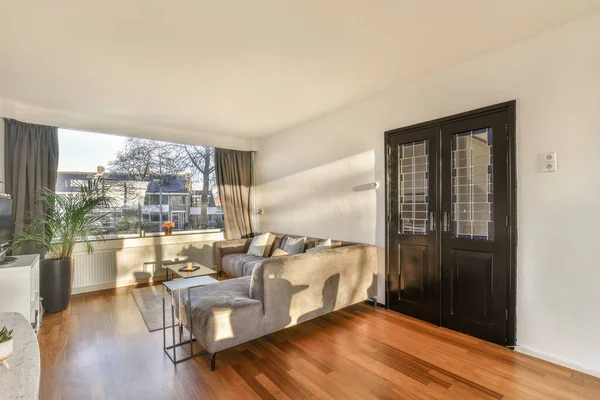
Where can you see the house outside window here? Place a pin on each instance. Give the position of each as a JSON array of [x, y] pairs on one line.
[[150, 181]]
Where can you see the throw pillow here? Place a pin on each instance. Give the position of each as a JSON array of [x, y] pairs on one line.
[[276, 244], [320, 245], [261, 245], [279, 253], [294, 245]]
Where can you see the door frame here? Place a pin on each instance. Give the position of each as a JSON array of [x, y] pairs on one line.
[[510, 108]]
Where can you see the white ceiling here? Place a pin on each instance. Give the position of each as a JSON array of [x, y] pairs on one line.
[[244, 68]]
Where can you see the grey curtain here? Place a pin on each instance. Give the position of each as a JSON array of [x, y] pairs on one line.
[[30, 164], [233, 170]]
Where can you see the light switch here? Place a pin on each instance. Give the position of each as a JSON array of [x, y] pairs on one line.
[[549, 162]]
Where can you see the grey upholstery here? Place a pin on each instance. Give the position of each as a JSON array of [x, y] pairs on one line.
[[281, 291], [249, 266], [294, 245], [224, 247], [224, 314], [240, 264], [300, 287]]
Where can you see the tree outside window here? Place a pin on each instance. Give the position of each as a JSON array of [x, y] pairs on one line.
[[154, 182]]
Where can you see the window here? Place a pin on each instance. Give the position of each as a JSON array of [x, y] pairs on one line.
[[155, 217], [149, 181], [155, 199], [178, 200], [472, 185], [413, 160]]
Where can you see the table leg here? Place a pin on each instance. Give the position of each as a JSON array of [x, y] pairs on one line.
[[162, 293], [191, 322], [173, 329], [179, 323]]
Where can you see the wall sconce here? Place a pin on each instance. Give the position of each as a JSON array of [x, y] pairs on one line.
[[365, 187]]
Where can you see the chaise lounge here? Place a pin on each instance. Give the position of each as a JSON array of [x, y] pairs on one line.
[[272, 293]]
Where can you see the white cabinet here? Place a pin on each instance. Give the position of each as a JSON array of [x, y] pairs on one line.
[[20, 288]]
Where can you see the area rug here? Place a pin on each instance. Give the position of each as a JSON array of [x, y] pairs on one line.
[[149, 302]]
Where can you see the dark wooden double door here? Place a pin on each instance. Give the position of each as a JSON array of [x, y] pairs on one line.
[[449, 230]]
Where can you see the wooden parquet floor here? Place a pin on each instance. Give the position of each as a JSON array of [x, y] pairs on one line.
[[100, 348]]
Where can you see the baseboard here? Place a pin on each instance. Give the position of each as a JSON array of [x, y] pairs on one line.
[[113, 285], [370, 302], [556, 360]]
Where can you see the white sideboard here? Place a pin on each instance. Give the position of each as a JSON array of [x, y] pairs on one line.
[[20, 288]]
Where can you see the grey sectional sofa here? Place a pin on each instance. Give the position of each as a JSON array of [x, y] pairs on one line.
[[273, 293]]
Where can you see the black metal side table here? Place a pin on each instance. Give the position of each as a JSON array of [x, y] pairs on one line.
[[174, 288]]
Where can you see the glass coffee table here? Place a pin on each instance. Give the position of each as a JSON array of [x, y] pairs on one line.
[[178, 269]]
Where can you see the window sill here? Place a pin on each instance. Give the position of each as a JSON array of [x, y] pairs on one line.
[[160, 234], [153, 239]]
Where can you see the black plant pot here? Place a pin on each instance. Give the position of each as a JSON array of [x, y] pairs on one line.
[[56, 280]]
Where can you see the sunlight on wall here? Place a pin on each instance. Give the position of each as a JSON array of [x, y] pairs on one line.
[[325, 201], [122, 262]]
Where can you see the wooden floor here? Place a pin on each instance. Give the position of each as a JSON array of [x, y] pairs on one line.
[[100, 349]]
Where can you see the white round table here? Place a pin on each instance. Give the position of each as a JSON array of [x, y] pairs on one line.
[[22, 380]]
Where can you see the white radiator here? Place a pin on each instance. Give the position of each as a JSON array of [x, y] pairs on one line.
[[125, 262]]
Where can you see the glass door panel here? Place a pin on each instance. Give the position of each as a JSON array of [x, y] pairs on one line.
[[413, 182], [472, 185]]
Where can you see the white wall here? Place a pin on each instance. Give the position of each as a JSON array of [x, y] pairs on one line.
[[306, 175]]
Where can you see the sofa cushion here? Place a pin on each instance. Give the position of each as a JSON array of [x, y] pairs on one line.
[[223, 314], [249, 266], [319, 246], [294, 245], [239, 264], [261, 245], [280, 253], [310, 243], [277, 242]]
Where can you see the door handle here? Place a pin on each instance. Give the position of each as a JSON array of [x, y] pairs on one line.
[[432, 221], [445, 228]]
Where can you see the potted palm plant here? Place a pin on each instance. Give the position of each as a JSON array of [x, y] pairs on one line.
[[67, 220]]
